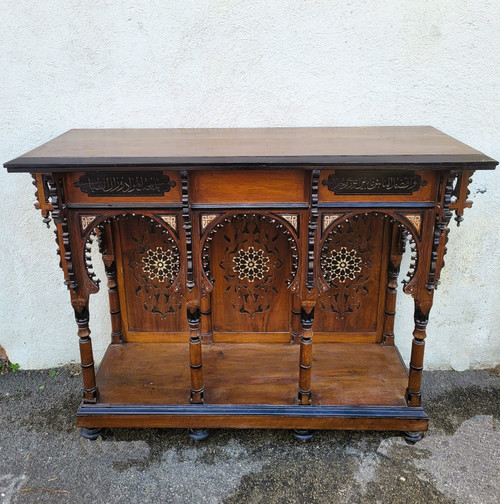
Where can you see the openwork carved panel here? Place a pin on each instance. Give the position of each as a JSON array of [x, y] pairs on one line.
[[151, 262], [252, 262], [351, 263]]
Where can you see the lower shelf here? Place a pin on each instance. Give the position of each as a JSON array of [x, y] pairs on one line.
[[354, 386]]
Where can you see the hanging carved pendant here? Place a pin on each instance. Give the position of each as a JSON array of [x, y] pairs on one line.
[[346, 261], [155, 264]]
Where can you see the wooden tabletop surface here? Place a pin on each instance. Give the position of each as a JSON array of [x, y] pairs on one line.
[[109, 148]]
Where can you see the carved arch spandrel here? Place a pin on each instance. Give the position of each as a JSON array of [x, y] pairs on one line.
[[419, 243], [82, 241], [282, 223]]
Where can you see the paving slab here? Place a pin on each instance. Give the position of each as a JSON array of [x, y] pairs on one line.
[[43, 458]]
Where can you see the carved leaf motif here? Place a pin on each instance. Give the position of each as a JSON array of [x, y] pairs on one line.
[[252, 265], [155, 262], [346, 262]]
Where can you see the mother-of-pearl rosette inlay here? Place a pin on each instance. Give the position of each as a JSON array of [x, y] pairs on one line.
[[160, 264], [341, 265], [251, 264]]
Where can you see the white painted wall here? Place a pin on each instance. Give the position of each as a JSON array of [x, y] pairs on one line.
[[196, 63]]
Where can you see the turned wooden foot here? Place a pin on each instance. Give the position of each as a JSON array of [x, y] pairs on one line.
[[303, 434], [411, 437], [89, 433], [198, 434]]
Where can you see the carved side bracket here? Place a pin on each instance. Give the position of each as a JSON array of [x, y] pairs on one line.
[[459, 201], [441, 230], [42, 196]]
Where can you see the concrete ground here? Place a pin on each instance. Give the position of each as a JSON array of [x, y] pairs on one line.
[[43, 458]]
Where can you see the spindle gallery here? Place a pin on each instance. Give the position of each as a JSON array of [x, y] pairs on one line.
[[253, 273]]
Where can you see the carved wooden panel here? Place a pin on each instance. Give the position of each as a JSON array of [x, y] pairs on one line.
[[149, 266], [369, 182], [357, 184], [251, 263], [352, 263], [124, 184], [139, 186]]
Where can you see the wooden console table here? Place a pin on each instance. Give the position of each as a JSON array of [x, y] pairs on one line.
[[228, 252]]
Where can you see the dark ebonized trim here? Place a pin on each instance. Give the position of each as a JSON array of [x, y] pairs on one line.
[[409, 162], [97, 206], [400, 412], [378, 204], [248, 206]]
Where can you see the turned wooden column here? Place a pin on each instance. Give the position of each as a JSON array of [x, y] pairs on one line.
[[114, 304], [195, 361], [392, 285], [421, 316], [296, 324], [305, 364], [90, 392], [108, 256], [206, 317]]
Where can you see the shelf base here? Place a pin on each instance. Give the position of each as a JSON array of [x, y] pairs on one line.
[[355, 387]]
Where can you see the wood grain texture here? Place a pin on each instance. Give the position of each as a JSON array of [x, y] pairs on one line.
[[342, 374], [257, 289], [156, 147]]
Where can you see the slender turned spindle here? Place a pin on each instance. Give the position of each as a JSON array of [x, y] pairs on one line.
[[306, 318], [114, 304], [195, 362], [295, 318], [206, 318], [397, 249], [90, 391], [390, 303], [413, 392]]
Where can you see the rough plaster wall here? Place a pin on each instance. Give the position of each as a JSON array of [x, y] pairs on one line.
[[226, 63]]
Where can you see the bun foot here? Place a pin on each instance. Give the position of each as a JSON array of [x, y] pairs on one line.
[[303, 434], [89, 433], [411, 437], [198, 434]]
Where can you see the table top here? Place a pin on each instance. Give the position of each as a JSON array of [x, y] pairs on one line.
[[79, 149]]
